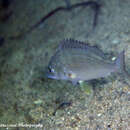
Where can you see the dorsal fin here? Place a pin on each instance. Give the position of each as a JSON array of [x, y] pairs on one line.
[[71, 43]]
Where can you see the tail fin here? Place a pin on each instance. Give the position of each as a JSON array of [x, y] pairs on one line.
[[120, 62]]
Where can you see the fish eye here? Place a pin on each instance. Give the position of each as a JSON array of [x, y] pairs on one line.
[[51, 70]]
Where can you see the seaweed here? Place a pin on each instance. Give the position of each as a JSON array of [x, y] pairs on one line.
[[95, 6]]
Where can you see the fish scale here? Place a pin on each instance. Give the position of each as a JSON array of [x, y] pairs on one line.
[[78, 61]]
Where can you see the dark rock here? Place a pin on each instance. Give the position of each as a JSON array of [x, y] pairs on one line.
[[1, 41]]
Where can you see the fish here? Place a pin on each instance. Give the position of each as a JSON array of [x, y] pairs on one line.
[[61, 106], [78, 61]]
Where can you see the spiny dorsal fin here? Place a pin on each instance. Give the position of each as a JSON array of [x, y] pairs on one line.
[[71, 43]]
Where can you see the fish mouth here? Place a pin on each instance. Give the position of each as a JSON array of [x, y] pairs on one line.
[[51, 76]]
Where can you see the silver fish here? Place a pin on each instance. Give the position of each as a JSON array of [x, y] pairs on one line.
[[77, 61]]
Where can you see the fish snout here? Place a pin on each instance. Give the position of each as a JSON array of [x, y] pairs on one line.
[[48, 74]]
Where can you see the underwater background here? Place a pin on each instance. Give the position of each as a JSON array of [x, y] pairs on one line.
[[28, 98]]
